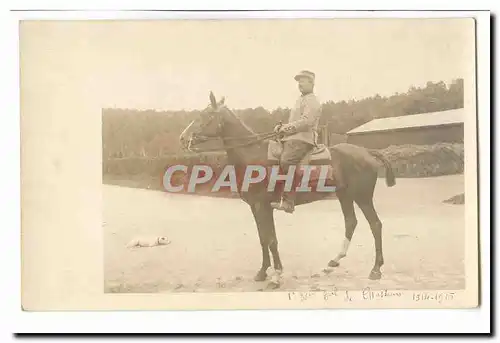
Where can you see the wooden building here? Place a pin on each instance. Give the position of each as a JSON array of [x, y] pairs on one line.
[[418, 129]]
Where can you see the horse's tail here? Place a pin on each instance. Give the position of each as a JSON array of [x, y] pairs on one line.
[[390, 178]]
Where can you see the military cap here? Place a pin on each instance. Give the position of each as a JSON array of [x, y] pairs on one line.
[[305, 73]]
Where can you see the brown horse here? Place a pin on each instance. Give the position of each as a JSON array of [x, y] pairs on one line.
[[243, 147]]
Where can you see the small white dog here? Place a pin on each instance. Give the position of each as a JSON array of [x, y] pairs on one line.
[[148, 242]]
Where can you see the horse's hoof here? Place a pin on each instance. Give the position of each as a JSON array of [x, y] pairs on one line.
[[261, 276], [375, 275], [333, 264], [273, 285], [328, 270]]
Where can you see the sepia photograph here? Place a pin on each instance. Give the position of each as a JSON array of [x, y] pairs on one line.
[[314, 159], [380, 102]]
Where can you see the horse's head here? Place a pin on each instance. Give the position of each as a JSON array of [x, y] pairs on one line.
[[209, 124]]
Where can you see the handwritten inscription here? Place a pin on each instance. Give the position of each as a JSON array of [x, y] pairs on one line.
[[369, 294], [330, 294], [302, 296], [433, 296], [220, 283], [326, 295]]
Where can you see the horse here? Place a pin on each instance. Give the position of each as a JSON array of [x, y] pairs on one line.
[[244, 147]]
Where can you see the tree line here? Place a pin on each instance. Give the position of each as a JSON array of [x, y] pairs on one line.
[[152, 133]]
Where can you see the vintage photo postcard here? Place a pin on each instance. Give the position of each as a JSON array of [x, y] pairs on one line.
[[264, 163]]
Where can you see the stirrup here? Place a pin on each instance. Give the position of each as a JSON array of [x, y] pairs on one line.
[[281, 207]]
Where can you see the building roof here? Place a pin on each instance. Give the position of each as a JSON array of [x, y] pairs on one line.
[[413, 120]]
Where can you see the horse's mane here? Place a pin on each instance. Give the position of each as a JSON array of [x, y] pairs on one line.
[[238, 119]]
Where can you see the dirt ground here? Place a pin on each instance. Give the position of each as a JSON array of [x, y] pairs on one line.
[[215, 246]]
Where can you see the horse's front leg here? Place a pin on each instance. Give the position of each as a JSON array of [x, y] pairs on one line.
[[273, 246], [258, 211]]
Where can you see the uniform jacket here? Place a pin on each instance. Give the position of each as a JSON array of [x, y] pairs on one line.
[[304, 118]]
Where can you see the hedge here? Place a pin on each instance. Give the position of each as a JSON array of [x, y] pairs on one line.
[[425, 160]]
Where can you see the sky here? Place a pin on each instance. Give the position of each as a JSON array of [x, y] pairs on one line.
[[173, 65]]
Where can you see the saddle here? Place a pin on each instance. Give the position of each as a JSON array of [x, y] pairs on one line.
[[319, 155]]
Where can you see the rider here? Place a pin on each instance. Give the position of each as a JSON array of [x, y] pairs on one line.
[[300, 133]]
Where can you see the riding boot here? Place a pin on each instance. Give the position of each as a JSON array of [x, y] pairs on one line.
[[287, 203]]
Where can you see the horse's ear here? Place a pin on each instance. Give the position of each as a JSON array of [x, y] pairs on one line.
[[221, 102], [213, 102]]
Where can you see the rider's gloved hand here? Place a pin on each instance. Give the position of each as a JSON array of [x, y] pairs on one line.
[[286, 129]]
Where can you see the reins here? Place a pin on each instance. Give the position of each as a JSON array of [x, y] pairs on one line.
[[259, 137]]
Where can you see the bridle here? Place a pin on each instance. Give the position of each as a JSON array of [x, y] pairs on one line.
[[256, 137]]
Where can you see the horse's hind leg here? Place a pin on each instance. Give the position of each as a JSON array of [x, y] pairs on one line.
[[347, 205], [368, 209]]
